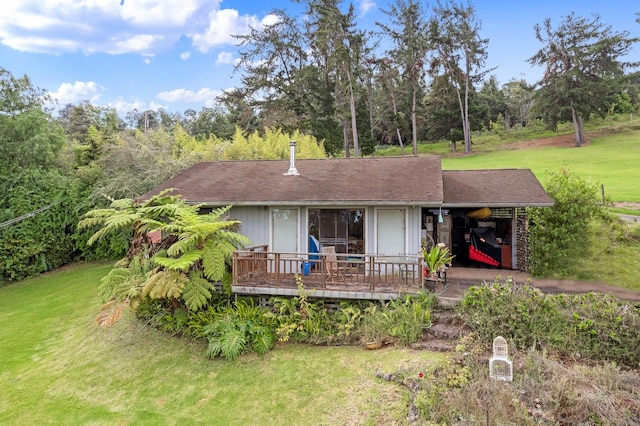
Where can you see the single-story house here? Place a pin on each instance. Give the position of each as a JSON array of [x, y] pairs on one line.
[[354, 228]]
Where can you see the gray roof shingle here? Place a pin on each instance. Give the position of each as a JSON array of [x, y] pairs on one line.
[[493, 188], [355, 181], [371, 181]]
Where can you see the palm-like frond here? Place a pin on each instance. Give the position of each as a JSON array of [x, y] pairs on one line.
[[237, 240], [123, 204], [216, 214], [110, 313], [182, 263], [95, 217], [227, 281], [165, 284], [187, 241], [163, 210], [111, 282], [213, 262], [197, 291], [115, 222]]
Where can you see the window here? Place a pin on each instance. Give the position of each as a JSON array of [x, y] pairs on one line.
[[341, 228]]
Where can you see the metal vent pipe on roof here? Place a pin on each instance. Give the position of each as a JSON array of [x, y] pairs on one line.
[[292, 160]]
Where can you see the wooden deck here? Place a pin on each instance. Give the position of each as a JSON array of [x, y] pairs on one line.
[[257, 271]]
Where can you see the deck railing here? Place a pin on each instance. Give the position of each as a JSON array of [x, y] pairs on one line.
[[257, 268]]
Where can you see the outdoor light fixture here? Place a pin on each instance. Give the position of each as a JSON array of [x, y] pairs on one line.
[[440, 220]]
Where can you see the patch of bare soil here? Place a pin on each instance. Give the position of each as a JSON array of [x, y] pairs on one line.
[[568, 141], [626, 205]]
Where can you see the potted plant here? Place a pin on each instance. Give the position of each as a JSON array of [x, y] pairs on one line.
[[436, 262]]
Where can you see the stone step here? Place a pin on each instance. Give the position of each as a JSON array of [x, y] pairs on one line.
[[436, 345], [447, 331], [446, 317]]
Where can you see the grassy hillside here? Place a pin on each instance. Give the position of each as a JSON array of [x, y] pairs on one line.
[[610, 160], [58, 367]]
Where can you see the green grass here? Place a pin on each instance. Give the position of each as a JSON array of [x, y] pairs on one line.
[[611, 161], [58, 367]]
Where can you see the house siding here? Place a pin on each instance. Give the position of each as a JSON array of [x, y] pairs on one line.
[[254, 223]]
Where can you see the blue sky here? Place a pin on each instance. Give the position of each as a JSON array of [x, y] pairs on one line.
[[179, 54]]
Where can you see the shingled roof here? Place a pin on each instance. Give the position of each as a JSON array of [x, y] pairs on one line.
[[493, 188], [370, 181]]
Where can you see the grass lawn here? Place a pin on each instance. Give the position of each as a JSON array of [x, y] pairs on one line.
[[58, 367], [611, 161]]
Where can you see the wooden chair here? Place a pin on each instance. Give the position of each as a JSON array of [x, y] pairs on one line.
[[332, 266]]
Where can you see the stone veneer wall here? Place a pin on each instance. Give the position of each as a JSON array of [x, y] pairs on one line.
[[522, 238]]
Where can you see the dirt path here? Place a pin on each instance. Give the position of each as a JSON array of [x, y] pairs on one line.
[[460, 278]]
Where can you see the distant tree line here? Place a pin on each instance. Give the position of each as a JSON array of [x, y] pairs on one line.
[[323, 76]]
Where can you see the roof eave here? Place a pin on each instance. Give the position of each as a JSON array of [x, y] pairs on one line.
[[495, 205], [263, 203]]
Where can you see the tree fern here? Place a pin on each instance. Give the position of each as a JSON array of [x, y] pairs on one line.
[[227, 282], [182, 263], [110, 313], [213, 262], [165, 284], [236, 240], [193, 242], [197, 291], [109, 283]]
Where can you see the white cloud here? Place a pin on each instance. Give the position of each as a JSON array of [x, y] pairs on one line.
[[185, 55], [71, 93], [123, 106], [366, 6], [204, 95], [162, 13], [223, 25], [270, 19], [134, 26], [225, 58]]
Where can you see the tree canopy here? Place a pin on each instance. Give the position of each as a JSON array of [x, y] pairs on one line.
[[583, 69]]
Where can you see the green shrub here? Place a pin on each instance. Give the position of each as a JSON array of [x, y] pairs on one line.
[[593, 326], [518, 311], [559, 235], [230, 336], [409, 316], [298, 319], [236, 328]]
